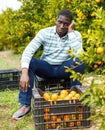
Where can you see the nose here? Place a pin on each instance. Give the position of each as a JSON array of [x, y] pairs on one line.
[[62, 25]]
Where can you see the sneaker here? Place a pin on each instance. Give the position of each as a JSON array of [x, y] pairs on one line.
[[23, 110]]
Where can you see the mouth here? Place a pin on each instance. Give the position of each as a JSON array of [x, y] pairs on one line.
[[61, 31]]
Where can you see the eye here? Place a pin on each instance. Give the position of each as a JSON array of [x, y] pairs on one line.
[[60, 22]]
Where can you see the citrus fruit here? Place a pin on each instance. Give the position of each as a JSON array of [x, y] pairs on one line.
[[77, 95], [95, 66], [53, 125], [46, 117], [65, 92], [54, 118], [54, 96], [100, 50], [66, 117], [73, 92], [62, 96], [46, 110], [46, 96], [99, 62], [98, 1]]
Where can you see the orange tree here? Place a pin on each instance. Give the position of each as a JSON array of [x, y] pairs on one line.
[[26, 23], [94, 54], [5, 31]]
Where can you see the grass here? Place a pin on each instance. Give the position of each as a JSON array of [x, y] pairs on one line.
[[8, 105]]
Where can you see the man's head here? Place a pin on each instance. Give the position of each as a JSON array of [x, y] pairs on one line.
[[63, 21]]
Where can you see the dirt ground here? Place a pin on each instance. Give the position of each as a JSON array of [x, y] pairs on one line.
[[9, 61], [15, 63]]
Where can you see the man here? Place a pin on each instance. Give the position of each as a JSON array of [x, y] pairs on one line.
[[56, 41]]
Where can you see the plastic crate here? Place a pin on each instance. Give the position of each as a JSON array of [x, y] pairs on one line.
[[62, 114], [52, 84], [9, 78]]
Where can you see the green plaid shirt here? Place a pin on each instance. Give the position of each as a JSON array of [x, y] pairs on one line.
[[55, 48]]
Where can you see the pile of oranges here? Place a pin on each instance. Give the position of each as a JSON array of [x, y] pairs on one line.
[[52, 120], [62, 95]]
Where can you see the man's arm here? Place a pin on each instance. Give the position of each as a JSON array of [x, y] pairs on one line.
[[26, 58]]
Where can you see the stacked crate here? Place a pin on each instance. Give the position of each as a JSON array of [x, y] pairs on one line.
[[62, 114], [9, 78]]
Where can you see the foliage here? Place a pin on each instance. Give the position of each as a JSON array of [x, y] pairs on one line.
[[95, 98]]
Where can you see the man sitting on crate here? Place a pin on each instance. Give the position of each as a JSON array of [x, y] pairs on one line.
[[57, 41]]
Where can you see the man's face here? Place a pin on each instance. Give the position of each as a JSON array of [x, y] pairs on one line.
[[62, 24]]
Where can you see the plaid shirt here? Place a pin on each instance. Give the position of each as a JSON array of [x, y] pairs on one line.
[[55, 48]]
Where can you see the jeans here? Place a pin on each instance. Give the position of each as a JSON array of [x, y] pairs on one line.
[[44, 70]]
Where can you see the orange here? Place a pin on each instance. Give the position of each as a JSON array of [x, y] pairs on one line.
[[64, 123], [65, 92], [98, 1], [67, 97], [54, 96], [62, 96], [80, 116], [59, 119], [100, 50], [78, 123], [46, 110], [77, 95], [47, 126], [73, 92], [71, 124], [99, 62], [54, 118], [92, 14], [73, 117], [46, 96], [66, 117], [95, 66], [70, 96], [46, 117], [53, 125]]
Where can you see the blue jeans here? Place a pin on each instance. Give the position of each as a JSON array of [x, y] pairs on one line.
[[44, 70]]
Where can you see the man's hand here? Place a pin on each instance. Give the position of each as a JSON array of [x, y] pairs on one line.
[[71, 26], [24, 80]]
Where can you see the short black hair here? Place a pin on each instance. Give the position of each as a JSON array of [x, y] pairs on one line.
[[67, 13]]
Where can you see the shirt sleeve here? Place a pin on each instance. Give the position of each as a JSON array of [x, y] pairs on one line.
[[75, 42], [31, 49]]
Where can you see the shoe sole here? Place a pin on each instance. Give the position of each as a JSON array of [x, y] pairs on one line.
[[19, 118]]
